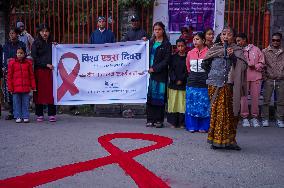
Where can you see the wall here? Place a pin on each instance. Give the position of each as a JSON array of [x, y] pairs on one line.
[[277, 17], [2, 28], [160, 13]]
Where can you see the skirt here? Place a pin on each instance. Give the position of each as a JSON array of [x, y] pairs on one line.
[[156, 93], [176, 101], [44, 86], [197, 102], [197, 123], [223, 123]]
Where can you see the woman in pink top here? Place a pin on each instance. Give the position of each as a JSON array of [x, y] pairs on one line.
[[197, 115], [255, 60]]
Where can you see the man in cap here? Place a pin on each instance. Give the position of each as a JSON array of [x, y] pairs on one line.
[[136, 32], [25, 37], [102, 35]]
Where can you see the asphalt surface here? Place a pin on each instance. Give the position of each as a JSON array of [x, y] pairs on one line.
[[188, 162]]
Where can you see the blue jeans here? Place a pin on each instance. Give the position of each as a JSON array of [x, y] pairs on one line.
[[21, 102]]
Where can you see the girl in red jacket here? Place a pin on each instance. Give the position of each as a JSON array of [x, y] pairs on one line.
[[20, 82]]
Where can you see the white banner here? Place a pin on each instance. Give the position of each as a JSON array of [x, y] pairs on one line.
[[100, 74]]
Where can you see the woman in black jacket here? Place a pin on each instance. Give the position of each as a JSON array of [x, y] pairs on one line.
[[42, 55], [160, 53]]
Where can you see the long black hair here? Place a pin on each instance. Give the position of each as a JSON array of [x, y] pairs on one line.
[[160, 24], [40, 28]]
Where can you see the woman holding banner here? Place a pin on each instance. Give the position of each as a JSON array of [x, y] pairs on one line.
[[42, 55], [160, 53]]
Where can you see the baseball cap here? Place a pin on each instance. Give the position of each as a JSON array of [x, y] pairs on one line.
[[101, 18], [134, 18], [20, 24]]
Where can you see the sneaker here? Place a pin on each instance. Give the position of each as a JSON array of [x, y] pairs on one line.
[[26, 120], [18, 120], [280, 123], [255, 122], [39, 119], [52, 119], [265, 123], [245, 123]]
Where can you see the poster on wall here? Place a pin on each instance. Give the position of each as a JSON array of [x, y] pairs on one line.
[[196, 13]]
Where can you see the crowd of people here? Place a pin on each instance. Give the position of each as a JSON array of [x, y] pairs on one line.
[[209, 83], [204, 84]]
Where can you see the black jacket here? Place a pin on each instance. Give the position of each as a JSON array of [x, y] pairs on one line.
[[42, 53], [161, 61], [134, 34], [177, 71]]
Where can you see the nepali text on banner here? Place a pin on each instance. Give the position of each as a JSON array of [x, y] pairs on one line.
[[100, 73]]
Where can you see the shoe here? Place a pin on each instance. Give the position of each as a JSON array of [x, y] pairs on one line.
[[215, 147], [9, 117], [18, 120], [39, 119], [26, 120], [127, 113], [192, 131], [173, 127], [233, 147], [255, 122], [76, 113], [280, 123], [150, 124], [245, 123], [265, 123], [202, 131], [159, 125], [52, 119]]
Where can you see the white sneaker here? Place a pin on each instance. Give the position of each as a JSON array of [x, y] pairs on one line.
[[26, 120], [245, 123], [255, 122], [280, 123], [265, 123], [18, 120]]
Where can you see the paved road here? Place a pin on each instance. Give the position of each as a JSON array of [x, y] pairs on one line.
[[188, 162]]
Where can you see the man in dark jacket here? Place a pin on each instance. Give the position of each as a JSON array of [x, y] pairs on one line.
[[102, 35], [136, 32]]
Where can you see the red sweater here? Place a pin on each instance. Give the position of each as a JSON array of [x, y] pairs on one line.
[[21, 76]]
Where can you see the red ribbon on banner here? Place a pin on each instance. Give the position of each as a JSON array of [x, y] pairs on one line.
[[68, 79], [141, 175]]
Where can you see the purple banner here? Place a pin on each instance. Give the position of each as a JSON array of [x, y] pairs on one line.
[[196, 13]]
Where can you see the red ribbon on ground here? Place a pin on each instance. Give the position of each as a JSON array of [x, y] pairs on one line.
[[141, 175], [68, 79]]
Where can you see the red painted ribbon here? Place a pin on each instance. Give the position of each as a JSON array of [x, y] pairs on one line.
[[68, 79], [141, 175]]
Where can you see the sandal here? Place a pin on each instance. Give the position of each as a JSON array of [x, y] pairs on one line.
[[52, 119], [159, 125], [149, 124], [39, 119]]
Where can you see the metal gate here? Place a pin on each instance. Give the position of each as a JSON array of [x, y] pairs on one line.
[[71, 21], [250, 17]]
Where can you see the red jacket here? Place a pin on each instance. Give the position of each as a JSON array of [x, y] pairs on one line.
[[21, 76]]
